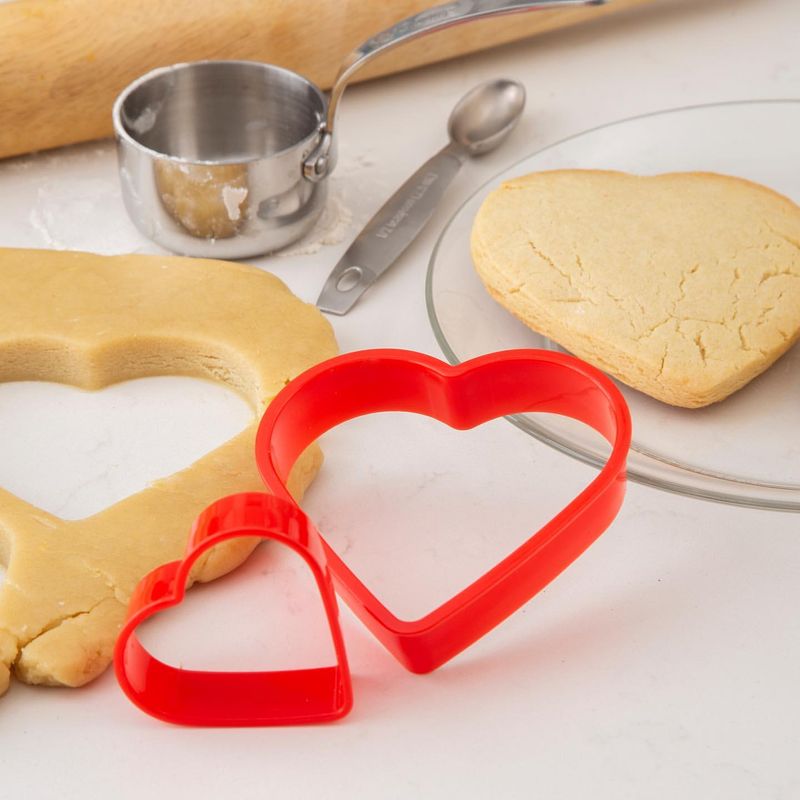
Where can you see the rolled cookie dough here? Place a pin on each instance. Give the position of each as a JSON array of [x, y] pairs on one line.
[[91, 321], [685, 285]]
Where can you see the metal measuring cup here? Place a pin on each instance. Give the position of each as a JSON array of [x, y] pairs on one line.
[[228, 159]]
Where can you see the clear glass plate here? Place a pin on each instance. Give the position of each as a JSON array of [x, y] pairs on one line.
[[744, 450]]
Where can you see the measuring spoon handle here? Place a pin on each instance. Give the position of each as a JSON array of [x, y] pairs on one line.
[[389, 232]]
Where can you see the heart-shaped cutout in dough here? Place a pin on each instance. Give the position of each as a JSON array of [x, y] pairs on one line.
[[91, 321], [74, 453], [684, 285]]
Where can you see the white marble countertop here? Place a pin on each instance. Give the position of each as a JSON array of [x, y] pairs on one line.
[[664, 663]]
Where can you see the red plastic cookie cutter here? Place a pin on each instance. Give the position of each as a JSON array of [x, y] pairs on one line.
[[333, 392], [194, 697], [463, 396]]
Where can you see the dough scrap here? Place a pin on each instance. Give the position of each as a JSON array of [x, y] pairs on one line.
[[208, 200], [684, 285], [90, 321]]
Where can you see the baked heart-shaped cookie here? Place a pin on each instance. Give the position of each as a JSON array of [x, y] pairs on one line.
[[684, 285], [91, 321]]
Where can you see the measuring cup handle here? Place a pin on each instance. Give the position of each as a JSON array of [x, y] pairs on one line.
[[428, 21]]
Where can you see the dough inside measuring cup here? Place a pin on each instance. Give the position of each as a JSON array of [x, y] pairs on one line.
[[210, 201]]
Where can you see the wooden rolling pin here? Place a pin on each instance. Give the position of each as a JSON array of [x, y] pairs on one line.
[[63, 62]]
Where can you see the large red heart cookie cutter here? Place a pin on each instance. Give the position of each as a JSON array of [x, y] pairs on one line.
[[197, 697], [463, 396]]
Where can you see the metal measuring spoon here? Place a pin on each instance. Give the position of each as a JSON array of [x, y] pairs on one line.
[[480, 121]]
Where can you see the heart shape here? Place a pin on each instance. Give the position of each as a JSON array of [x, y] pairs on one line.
[[73, 453], [463, 396], [198, 697], [684, 285]]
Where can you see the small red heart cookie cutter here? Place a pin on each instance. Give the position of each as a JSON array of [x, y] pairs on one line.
[[366, 382], [463, 396], [195, 697]]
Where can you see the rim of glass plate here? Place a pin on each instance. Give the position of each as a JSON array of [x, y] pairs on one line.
[[750, 494]]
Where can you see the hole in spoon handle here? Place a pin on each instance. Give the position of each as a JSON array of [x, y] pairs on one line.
[[349, 279]]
